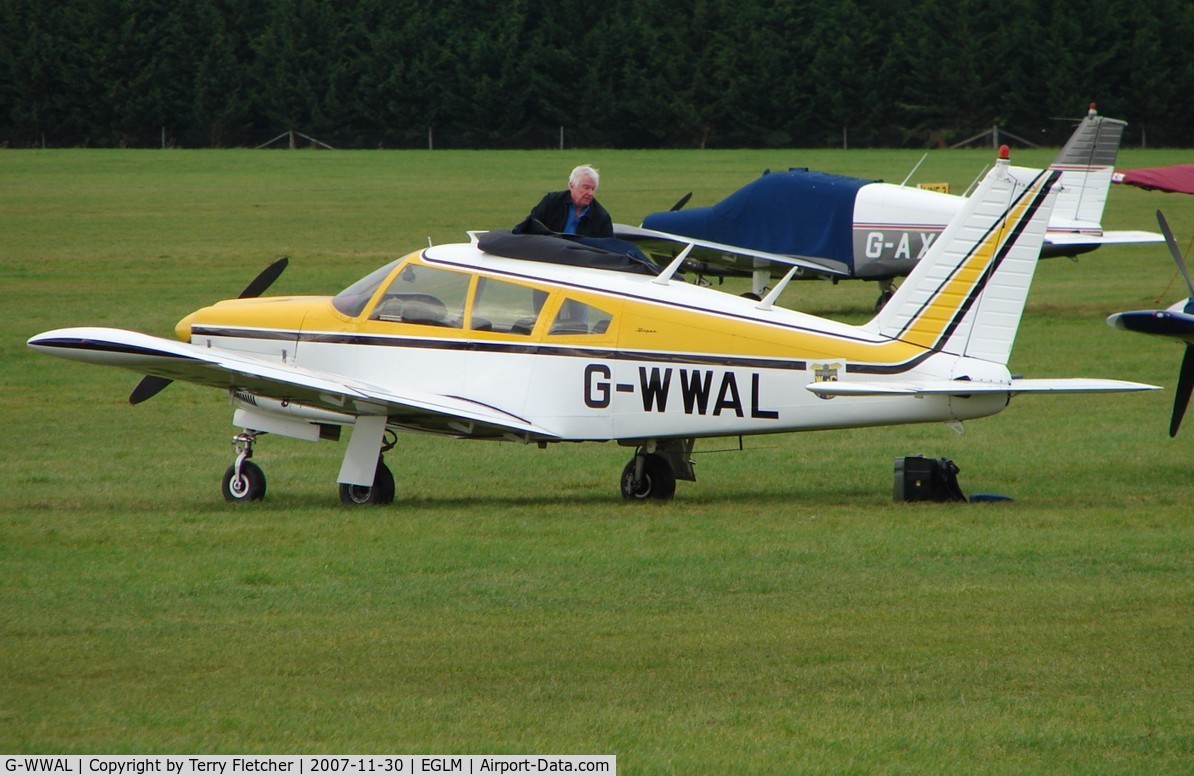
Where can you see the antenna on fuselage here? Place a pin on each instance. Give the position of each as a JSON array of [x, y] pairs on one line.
[[774, 293], [914, 169], [974, 183], [670, 269]]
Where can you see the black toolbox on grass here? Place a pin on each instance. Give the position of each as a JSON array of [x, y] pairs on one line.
[[926, 479]]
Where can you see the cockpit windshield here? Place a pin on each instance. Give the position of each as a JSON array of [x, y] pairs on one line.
[[352, 300]]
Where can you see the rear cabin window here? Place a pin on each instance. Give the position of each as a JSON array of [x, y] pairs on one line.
[[425, 296], [579, 318], [506, 307]]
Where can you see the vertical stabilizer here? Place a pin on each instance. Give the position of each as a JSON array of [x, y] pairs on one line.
[[1086, 163], [966, 295]]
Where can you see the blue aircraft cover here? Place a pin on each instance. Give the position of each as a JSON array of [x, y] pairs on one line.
[[796, 212]]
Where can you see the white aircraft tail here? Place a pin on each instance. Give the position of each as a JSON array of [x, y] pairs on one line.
[[1086, 163], [966, 295]]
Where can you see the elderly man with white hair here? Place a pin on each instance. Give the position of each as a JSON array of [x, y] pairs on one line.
[[572, 211]]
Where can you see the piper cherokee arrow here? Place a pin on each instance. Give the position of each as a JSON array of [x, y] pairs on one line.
[[539, 339]]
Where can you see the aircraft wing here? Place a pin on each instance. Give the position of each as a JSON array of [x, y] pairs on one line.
[[174, 360], [1178, 178], [713, 258], [968, 388]]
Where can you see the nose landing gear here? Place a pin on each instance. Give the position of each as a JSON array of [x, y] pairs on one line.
[[244, 480]]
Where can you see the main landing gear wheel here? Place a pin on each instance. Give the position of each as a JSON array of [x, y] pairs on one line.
[[382, 491], [246, 485], [648, 476]]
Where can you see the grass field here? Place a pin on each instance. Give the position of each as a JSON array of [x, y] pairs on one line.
[[781, 615]]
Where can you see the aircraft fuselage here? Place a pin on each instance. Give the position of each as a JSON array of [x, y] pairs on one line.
[[667, 362]]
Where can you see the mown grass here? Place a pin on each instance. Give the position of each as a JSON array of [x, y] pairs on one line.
[[782, 614]]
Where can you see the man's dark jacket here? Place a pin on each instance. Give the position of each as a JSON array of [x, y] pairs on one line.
[[552, 212]]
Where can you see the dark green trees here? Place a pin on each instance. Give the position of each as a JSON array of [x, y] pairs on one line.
[[626, 73]]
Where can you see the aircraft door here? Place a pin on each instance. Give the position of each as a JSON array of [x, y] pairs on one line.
[[415, 332], [502, 321]]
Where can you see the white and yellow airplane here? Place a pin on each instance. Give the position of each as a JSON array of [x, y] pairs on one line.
[[509, 338]]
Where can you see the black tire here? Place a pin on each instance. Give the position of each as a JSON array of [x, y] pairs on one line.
[[382, 491], [249, 486], [658, 482]]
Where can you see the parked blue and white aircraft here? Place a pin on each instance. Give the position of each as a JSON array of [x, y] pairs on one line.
[[869, 230], [1176, 322], [524, 338]]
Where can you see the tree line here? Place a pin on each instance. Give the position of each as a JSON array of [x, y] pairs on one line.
[[599, 73]]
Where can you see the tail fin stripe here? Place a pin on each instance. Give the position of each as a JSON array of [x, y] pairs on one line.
[[940, 314]]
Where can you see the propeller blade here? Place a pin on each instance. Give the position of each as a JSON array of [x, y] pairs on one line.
[[1174, 250], [1185, 385], [683, 201], [264, 280], [149, 387]]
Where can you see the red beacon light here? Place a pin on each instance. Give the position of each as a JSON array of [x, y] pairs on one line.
[[1004, 152]]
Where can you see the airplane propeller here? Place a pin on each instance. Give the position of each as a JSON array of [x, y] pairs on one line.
[[152, 385], [1185, 379], [681, 203], [264, 279]]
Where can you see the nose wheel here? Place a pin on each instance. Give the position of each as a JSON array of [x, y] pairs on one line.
[[244, 480]]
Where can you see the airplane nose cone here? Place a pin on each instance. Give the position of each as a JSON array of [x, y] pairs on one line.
[[182, 329]]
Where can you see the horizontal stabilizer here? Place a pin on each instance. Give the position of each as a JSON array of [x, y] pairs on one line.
[[970, 388], [1122, 237]]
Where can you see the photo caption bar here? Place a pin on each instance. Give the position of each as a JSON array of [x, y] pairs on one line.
[[304, 765]]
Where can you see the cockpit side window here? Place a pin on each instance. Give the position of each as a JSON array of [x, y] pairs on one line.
[[426, 296], [579, 318], [353, 300], [506, 307]]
